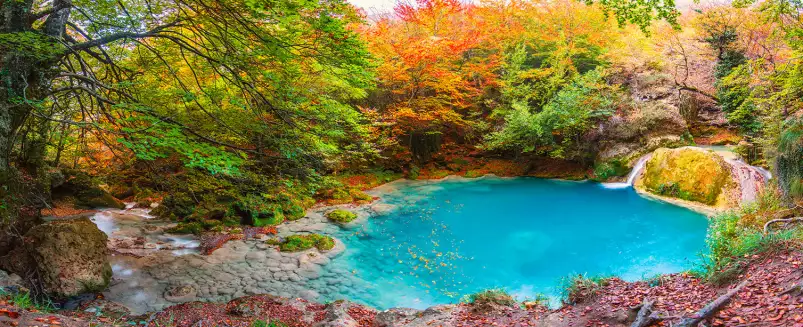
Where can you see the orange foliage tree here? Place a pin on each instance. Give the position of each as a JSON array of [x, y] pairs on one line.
[[438, 61]]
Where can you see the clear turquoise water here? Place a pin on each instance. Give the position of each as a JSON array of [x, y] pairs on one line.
[[454, 237]]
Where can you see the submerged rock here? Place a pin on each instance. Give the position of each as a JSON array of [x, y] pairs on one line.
[[180, 294], [688, 173], [105, 307], [67, 257]]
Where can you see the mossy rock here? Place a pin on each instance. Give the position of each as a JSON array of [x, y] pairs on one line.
[[341, 216], [687, 173], [301, 242], [69, 258], [86, 192], [102, 200], [187, 228]]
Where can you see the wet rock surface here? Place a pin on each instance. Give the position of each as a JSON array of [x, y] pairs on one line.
[[68, 257], [153, 270]]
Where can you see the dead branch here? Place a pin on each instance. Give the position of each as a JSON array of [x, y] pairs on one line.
[[646, 316], [711, 308], [778, 221], [795, 289]]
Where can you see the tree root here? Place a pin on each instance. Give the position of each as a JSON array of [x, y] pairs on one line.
[[781, 220], [646, 316], [711, 308], [795, 290]]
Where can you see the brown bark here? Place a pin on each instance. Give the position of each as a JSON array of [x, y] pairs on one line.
[[646, 316], [711, 308]]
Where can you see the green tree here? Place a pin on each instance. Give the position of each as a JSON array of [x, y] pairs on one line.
[[560, 128], [220, 85]]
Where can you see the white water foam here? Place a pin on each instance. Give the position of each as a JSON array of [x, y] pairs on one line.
[[631, 177]]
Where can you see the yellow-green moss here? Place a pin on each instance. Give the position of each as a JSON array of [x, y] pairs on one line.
[[301, 242], [687, 173], [341, 216]]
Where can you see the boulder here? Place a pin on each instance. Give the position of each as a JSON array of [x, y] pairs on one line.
[[180, 294], [688, 173], [64, 257], [337, 315], [439, 315], [11, 283]]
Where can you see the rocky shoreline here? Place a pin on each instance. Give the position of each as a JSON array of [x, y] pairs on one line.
[[768, 298]]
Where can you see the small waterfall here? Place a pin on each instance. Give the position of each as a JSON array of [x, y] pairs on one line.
[[631, 177], [766, 173], [752, 179]]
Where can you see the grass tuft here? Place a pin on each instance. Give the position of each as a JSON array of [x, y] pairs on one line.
[[496, 296], [580, 288]]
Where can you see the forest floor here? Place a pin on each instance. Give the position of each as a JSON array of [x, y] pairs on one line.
[[770, 297]]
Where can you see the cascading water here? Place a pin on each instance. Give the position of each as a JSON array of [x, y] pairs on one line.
[[631, 177]]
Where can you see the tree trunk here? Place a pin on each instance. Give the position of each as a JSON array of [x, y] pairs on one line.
[[25, 78]]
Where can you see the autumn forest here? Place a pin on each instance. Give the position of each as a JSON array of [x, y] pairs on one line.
[[244, 121]]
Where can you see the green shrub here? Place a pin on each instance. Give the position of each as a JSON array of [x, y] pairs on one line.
[[491, 296], [604, 171], [730, 244], [301, 242], [473, 174], [341, 216], [414, 172], [790, 150], [359, 195], [341, 196]]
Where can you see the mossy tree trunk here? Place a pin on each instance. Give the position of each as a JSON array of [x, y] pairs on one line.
[[25, 77]]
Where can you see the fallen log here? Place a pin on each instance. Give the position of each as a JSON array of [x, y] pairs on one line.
[[711, 308], [781, 220]]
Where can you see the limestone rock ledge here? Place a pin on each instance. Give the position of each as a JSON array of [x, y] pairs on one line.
[[701, 179]]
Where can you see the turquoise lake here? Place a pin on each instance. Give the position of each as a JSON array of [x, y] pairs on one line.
[[454, 237]]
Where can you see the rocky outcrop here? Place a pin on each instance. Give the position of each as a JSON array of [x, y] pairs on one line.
[[688, 173], [64, 258], [653, 120], [440, 315]]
